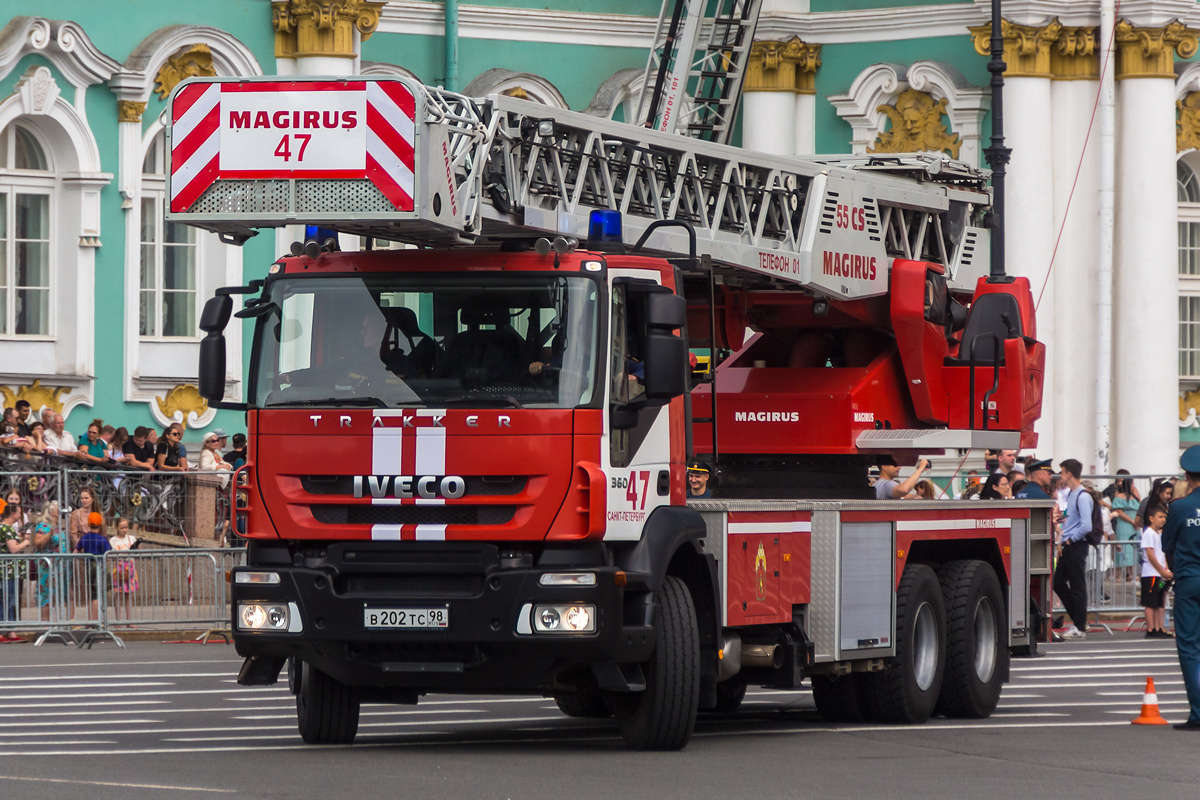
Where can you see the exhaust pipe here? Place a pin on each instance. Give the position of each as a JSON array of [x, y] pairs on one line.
[[762, 655]]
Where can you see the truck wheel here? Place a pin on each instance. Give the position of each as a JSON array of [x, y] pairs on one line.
[[662, 717], [326, 709], [588, 704], [907, 690], [976, 644], [730, 695], [839, 699]]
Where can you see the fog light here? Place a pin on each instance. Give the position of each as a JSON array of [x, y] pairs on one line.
[[277, 617], [568, 579], [549, 619], [271, 578]]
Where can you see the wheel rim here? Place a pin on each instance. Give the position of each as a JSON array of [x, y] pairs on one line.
[[985, 640], [925, 647]]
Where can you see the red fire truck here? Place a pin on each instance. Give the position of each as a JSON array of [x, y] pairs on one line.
[[468, 451]]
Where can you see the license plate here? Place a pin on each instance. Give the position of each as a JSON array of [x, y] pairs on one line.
[[422, 618]]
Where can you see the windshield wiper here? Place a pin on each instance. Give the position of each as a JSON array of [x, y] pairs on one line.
[[508, 400], [353, 400]]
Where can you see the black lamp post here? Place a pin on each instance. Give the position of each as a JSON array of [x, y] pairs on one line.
[[997, 154]]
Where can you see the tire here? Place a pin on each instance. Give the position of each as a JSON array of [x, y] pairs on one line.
[[839, 699], [588, 704], [907, 690], [976, 645], [663, 716], [730, 695], [326, 709]]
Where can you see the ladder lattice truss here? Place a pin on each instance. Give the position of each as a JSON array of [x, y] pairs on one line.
[[693, 78]]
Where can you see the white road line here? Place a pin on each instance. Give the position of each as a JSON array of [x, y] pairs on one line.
[[1104, 685], [120, 785], [233, 665], [123, 676], [16, 691], [76, 705], [1076, 667], [292, 716]]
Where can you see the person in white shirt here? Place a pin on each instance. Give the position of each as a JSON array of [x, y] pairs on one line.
[[57, 440], [1155, 574]]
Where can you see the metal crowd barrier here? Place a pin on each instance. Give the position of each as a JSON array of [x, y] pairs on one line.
[[80, 598], [1114, 583]]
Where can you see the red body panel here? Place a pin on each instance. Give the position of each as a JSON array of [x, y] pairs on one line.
[[768, 564]]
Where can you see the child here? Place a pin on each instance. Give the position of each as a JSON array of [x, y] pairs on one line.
[[124, 573], [93, 543], [1155, 574]]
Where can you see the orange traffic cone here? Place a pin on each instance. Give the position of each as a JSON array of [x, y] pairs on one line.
[[1150, 715]]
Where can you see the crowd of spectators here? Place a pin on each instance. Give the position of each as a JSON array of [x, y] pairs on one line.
[[102, 444]]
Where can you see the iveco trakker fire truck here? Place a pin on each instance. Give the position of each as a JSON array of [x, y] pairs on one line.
[[468, 452]]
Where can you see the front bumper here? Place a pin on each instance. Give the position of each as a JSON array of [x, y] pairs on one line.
[[489, 601]]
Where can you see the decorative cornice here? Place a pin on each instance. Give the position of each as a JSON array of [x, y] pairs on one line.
[[1075, 57], [305, 28], [130, 111], [137, 75], [1026, 47], [789, 66], [1150, 52]]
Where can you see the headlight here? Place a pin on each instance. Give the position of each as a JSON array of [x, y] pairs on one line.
[[565, 618], [256, 617]]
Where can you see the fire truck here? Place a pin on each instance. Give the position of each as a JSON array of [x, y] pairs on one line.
[[468, 435]]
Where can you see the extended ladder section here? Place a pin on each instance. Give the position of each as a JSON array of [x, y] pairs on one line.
[[693, 78], [393, 159]]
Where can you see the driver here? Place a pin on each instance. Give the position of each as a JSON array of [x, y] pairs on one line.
[[360, 364]]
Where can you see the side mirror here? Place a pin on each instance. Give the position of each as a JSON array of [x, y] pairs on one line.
[[665, 311], [213, 320], [666, 364]]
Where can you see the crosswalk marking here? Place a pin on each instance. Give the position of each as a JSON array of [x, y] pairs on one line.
[[134, 707]]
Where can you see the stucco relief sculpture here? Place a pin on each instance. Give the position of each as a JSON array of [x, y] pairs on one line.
[[916, 126], [193, 62]]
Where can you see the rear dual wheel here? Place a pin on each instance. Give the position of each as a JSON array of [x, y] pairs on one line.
[[977, 644]]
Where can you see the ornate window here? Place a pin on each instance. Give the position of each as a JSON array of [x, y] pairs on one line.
[[1188, 197], [26, 198], [168, 295]]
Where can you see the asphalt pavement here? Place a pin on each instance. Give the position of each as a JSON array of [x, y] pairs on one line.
[[159, 720]]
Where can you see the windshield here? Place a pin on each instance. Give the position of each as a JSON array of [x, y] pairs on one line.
[[426, 340]]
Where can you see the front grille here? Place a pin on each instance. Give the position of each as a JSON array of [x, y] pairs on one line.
[[399, 586], [477, 485], [412, 515]]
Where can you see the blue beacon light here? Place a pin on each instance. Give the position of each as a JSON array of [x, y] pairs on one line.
[[604, 226]]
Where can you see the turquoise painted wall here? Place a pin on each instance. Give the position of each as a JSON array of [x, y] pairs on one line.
[[842, 63], [118, 26], [857, 5], [576, 71]]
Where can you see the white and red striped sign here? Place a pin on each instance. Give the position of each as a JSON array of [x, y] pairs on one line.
[[318, 129]]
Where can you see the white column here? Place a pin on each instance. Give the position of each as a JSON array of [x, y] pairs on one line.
[[769, 122], [1070, 309], [1029, 226], [806, 124], [324, 65], [1145, 280]]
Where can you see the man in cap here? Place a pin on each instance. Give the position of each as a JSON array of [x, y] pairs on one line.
[[1181, 546], [697, 474], [887, 487], [1038, 487]]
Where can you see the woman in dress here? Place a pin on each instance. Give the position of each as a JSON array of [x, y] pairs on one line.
[[15, 539], [48, 539], [1124, 503]]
